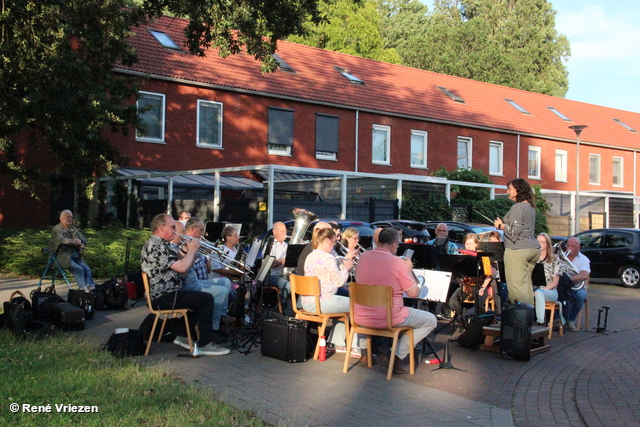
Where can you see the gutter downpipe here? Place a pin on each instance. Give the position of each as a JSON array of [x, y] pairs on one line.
[[635, 201], [170, 196], [518, 158], [356, 147]]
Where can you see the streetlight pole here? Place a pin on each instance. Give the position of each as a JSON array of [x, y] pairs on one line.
[[578, 130]]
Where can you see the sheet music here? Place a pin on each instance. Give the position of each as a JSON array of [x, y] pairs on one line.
[[436, 284], [253, 253]]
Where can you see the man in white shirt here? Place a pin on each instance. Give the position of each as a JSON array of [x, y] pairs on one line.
[[279, 251], [583, 267]]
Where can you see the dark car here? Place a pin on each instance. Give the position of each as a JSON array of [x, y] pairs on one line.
[[457, 230], [614, 253], [412, 231], [365, 229]]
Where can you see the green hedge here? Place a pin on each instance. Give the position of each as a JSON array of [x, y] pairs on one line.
[[21, 251]]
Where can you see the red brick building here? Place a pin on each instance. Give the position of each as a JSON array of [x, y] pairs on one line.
[[332, 111]]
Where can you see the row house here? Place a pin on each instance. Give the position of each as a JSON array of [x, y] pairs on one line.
[[326, 112]]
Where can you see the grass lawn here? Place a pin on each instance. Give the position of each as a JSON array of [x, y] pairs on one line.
[[56, 374]]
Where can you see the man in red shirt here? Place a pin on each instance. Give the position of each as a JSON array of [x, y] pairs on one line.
[[381, 267]]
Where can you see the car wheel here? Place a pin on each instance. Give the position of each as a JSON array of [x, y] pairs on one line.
[[630, 276]]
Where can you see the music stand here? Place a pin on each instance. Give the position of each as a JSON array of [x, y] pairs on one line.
[[424, 256], [496, 248], [293, 253], [213, 231], [261, 277]]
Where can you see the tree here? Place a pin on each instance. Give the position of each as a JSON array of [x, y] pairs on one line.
[[351, 27], [507, 42], [464, 193], [58, 91], [57, 88]]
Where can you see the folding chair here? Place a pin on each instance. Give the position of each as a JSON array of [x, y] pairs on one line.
[[56, 269]]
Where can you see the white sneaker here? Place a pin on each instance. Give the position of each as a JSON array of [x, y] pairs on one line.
[[571, 326], [182, 342], [213, 350]]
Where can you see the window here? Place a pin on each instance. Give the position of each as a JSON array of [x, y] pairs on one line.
[[559, 114], [164, 39], [495, 157], [381, 145], [151, 115], [282, 64], [516, 106], [618, 239], [591, 239], [594, 169], [451, 94], [209, 124], [280, 138], [626, 126], [561, 165], [418, 149], [464, 152], [534, 162], [327, 131], [617, 171], [349, 76]]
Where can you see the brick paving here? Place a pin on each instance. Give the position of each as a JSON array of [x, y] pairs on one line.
[[586, 379]]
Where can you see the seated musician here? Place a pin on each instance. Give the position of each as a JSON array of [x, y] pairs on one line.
[[465, 291], [322, 264], [197, 278], [278, 249], [68, 243], [380, 266], [309, 247], [231, 238], [160, 261]]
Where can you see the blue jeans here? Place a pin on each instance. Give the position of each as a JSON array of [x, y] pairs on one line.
[[283, 284], [217, 288], [576, 305], [542, 296], [81, 272]]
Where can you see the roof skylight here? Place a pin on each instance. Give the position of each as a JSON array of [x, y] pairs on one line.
[[559, 114], [625, 125], [282, 64], [451, 94], [164, 39], [353, 79], [516, 106]]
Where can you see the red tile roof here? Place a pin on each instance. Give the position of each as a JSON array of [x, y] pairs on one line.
[[388, 89]]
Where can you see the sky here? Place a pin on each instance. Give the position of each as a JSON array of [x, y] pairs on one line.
[[604, 67]]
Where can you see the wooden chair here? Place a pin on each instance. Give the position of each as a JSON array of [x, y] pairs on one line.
[[376, 296], [309, 286], [552, 307], [166, 313]]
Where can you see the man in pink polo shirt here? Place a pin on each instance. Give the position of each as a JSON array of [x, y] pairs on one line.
[[381, 267]]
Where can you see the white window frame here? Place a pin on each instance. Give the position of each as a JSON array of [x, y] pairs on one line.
[[202, 102], [387, 131], [424, 135], [280, 149], [469, 143], [538, 157], [562, 157], [594, 157], [162, 97], [613, 170], [499, 145]]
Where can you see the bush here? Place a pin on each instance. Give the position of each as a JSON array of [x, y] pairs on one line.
[[21, 251], [432, 207]]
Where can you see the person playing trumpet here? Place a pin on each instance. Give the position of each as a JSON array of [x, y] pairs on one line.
[[231, 238]]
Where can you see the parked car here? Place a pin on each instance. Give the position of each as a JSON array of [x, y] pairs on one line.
[[457, 230], [614, 254], [364, 228], [412, 231]]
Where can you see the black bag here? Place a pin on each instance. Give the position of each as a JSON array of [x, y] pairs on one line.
[[473, 336], [175, 327], [23, 324], [114, 295], [67, 316], [84, 300], [125, 343], [41, 302]]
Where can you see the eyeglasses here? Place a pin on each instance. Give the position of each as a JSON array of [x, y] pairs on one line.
[[170, 226], [441, 231]]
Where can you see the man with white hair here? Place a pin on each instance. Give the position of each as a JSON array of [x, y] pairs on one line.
[[68, 244], [583, 267]]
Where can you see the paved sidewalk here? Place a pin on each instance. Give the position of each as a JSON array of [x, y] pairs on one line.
[[587, 379]]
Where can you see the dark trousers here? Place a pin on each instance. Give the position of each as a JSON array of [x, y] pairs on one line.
[[201, 306]]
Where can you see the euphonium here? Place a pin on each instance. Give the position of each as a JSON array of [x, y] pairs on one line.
[[208, 249], [302, 219]]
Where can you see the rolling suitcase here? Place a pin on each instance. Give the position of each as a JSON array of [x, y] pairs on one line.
[[515, 332], [67, 316], [84, 300], [285, 339]]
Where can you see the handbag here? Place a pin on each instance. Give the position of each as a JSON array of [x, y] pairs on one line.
[[84, 300]]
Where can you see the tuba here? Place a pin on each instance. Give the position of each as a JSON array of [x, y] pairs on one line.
[[302, 219]]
